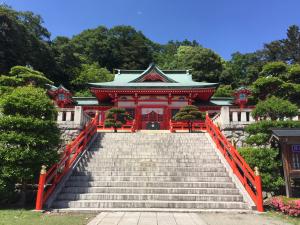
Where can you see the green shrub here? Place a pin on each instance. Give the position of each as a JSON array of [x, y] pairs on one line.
[[269, 164]]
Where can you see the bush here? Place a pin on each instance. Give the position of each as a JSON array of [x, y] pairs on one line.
[[268, 162], [290, 207]]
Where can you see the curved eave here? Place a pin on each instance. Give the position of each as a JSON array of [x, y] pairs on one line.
[[212, 85]]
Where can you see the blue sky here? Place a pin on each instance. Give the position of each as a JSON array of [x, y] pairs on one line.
[[226, 26]]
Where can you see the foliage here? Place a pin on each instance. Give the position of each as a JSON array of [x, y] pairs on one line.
[[266, 86], [224, 91], [276, 69], [242, 69], [23, 41], [189, 113], [260, 132], [10, 81], [29, 102], [290, 207], [268, 162], [294, 73], [91, 73], [287, 49], [206, 64], [274, 108], [116, 117], [29, 137], [83, 93]]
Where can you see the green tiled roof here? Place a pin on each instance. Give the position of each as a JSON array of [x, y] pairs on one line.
[[176, 79]]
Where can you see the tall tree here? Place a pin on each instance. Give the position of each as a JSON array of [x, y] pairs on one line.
[[29, 138], [292, 44], [206, 64], [21, 41]]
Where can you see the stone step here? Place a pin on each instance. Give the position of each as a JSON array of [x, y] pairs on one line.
[[150, 197], [206, 173], [152, 190], [207, 168], [150, 204], [133, 158], [150, 178], [150, 184], [142, 165]]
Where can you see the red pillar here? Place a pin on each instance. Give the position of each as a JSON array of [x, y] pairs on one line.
[[41, 187], [259, 202]]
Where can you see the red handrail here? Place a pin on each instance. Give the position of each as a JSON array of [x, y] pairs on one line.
[[49, 180], [250, 180]]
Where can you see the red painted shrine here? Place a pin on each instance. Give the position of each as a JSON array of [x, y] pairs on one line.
[[152, 96]]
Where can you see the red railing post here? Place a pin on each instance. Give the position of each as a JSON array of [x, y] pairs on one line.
[[259, 203], [41, 187], [68, 153]]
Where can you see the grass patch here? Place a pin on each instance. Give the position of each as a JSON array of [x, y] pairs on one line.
[[28, 217], [283, 217]]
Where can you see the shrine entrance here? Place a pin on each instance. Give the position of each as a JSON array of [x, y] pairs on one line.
[[152, 118]]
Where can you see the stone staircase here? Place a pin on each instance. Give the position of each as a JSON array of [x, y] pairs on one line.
[[144, 171]]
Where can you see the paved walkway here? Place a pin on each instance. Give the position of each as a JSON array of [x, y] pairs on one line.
[[148, 218]]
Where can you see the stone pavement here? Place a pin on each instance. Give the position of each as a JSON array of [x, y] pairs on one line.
[[146, 218], [152, 218]]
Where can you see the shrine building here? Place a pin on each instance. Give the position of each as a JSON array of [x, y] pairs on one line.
[[152, 96]]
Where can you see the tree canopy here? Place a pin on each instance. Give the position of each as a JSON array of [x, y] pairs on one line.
[[116, 117], [275, 108], [189, 113]]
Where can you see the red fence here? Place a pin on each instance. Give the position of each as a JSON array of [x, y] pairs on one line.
[[49, 179], [129, 126], [250, 180], [181, 125]]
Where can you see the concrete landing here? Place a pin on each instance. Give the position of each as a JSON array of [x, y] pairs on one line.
[[147, 218], [167, 218]]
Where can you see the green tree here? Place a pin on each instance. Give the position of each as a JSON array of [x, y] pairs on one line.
[[29, 138], [22, 41], [189, 113], [206, 64], [268, 161], [294, 73], [276, 69], [260, 132], [20, 76], [242, 69], [224, 91], [68, 61], [274, 108], [91, 73], [292, 44], [266, 86], [116, 117]]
